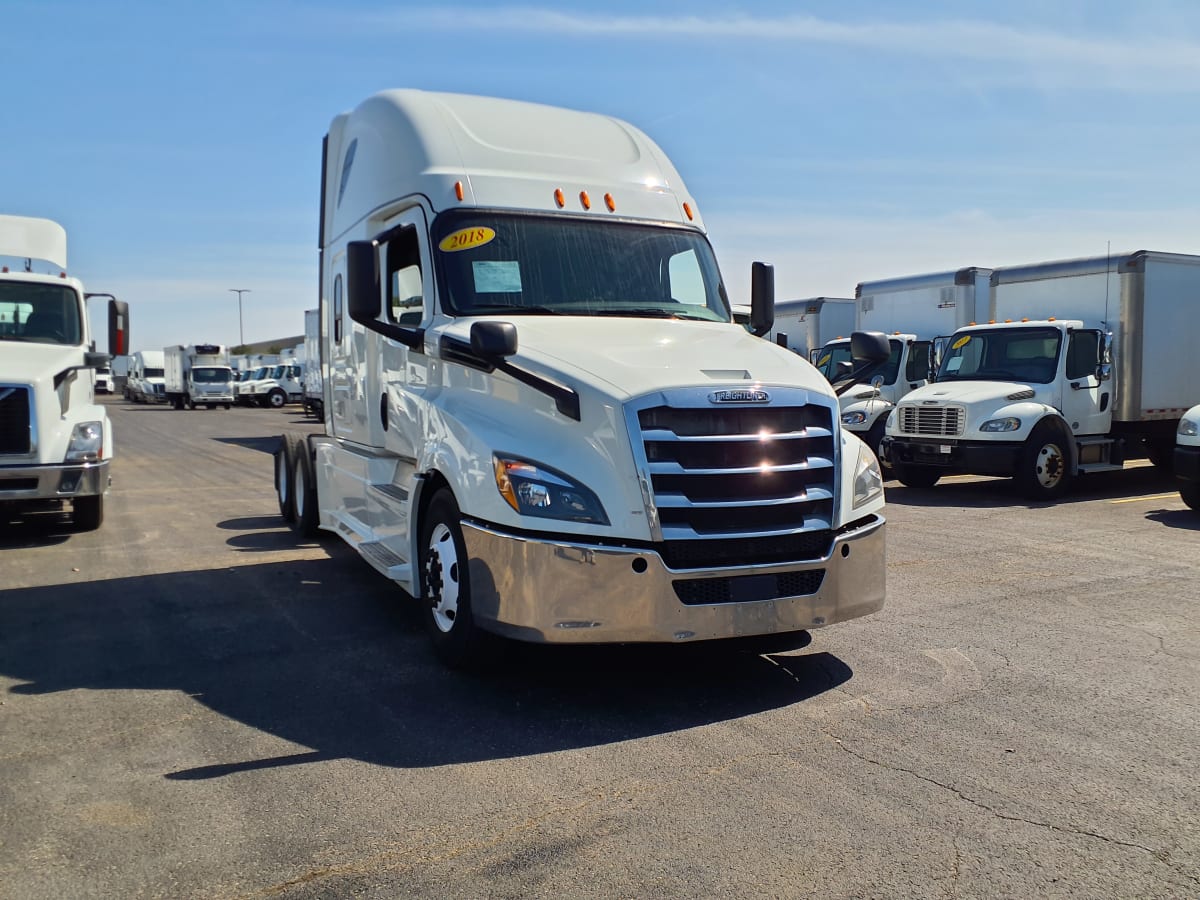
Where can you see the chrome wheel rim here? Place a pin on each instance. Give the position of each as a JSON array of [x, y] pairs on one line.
[[442, 578], [1050, 466]]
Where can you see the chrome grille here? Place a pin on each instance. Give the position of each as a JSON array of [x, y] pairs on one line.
[[741, 472], [16, 435], [939, 421]]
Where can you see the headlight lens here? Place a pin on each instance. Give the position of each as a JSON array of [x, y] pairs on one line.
[[1012, 423], [1189, 427], [87, 442], [535, 490], [868, 480], [854, 418]]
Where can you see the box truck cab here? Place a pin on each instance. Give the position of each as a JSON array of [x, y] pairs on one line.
[[540, 419], [1187, 457], [1084, 362], [56, 442]]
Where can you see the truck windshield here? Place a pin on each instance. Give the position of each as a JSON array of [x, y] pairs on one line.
[[1002, 354], [39, 313], [210, 376], [498, 264], [152, 373]]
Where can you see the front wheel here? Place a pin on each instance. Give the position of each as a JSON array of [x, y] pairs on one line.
[[446, 587], [1190, 492], [276, 399], [1044, 468], [87, 513], [916, 476]]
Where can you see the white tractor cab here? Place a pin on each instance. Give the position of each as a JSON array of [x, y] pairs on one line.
[[1187, 457], [104, 380], [1083, 364], [56, 442], [147, 377], [282, 384], [540, 420]]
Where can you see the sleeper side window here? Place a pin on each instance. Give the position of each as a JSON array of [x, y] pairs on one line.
[[405, 297]]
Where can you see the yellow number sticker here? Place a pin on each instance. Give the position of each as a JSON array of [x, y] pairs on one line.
[[961, 342], [466, 239]]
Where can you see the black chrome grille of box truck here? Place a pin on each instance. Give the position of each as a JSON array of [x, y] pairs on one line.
[[937, 421], [741, 484], [16, 437]]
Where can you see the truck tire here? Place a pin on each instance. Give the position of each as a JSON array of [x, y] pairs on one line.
[[87, 513], [916, 476], [446, 588], [285, 463], [304, 492], [276, 399], [1044, 467], [1190, 492]]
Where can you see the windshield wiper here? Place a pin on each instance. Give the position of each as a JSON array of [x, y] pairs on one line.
[[511, 310], [650, 312]]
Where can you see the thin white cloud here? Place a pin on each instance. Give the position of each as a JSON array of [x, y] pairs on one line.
[[1161, 60]]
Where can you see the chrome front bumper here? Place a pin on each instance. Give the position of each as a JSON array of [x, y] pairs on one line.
[[560, 592], [60, 482]]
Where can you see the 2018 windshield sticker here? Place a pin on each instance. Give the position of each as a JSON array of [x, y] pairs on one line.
[[961, 342], [466, 239], [824, 360]]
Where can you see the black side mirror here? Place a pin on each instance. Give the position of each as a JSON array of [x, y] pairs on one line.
[[362, 281], [94, 360], [870, 350], [493, 340], [762, 298]]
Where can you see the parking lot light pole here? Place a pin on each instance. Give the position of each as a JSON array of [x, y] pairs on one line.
[[241, 331]]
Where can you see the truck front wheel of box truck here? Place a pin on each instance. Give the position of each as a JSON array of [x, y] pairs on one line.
[[87, 513], [916, 476], [446, 588], [1044, 467], [1190, 493]]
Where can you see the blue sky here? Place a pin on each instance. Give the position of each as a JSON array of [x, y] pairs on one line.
[[179, 143]]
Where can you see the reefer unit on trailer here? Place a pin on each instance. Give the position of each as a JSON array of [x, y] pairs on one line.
[[1081, 363], [914, 312], [56, 442], [198, 375], [540, 419]]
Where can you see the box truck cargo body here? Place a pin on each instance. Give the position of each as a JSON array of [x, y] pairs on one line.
[[1082, 362], [915, 312], [804, 326], [56, 442], [540, 419]]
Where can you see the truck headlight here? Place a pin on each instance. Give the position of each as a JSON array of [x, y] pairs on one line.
[[535, 490], [854, 418], [1189, 427], [1011, 423], [890, 424], [868, 480], [87, 442]]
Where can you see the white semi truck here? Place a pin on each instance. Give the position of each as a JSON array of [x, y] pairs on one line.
[[1187, 456], [198, 375], [56, 442], [1082, 363], [914, 312], [540, 419], [314, 403], [147, 377]]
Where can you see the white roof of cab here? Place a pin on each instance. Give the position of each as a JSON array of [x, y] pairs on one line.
[[31, 238], [506, 153]]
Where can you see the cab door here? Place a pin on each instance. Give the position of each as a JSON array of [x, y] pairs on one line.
[[1086, 400]]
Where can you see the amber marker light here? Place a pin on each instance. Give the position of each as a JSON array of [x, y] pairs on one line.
[[687, 208], [610, 202], [560, 198], [1051, 319], [458, 190], [585, 199]]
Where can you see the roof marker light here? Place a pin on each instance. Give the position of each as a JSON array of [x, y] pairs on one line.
[[1025, 319], [458, 189], [585, 199], [560, 198], [62, 274], [1051, 319], [610, 202], [687, 208], [1008, 321]]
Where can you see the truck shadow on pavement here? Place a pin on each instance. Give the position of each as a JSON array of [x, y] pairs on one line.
[[988, 493], [327, 655], [1186, 519]]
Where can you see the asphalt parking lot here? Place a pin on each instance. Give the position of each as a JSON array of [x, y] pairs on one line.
[[196, 703]]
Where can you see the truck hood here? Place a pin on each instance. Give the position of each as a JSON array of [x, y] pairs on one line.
[[972, 392], [24, 363], [628, 358]]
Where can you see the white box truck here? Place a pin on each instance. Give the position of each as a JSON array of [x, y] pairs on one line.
[[540, 419], [313, 395], [279, 385], [1187, 456], [1081, 363], [198, 375], [147, 382], [915, 312], [56, 442]]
